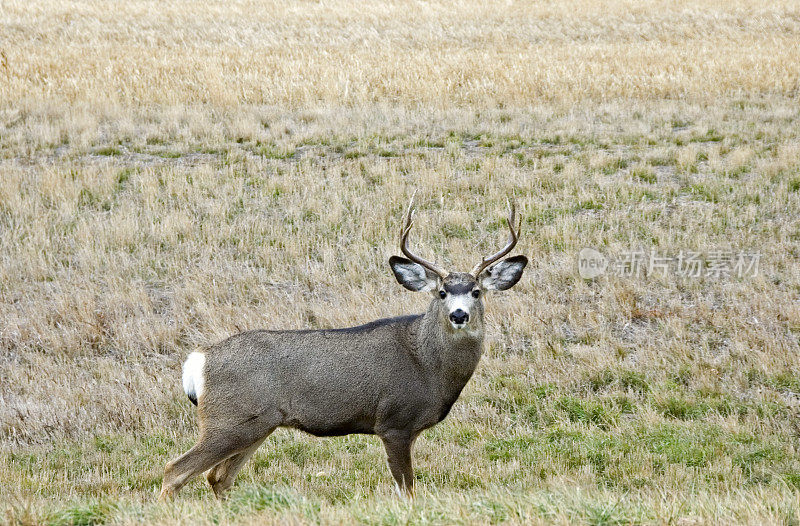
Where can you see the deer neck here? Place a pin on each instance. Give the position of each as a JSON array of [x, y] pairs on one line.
[[449, 355]]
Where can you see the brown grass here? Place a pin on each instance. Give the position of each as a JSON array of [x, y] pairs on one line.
[[173, 174], [469, 53]]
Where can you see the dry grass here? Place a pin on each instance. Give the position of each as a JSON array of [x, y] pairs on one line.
[[433, 54], [172, 174]]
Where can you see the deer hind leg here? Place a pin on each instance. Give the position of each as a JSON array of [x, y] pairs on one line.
[[215, 446], [398, 452], [209, 450], [222, 475]]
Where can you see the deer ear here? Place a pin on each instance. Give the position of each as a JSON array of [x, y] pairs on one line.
[[503, 275], [413, 276]]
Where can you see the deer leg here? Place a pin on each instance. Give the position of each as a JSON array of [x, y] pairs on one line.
[[222, 475], [398, 451], [214, 446]]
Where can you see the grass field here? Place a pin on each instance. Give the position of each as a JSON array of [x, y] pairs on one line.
[[173, 174]]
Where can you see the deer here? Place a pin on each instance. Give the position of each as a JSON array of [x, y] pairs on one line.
[[393, 377]]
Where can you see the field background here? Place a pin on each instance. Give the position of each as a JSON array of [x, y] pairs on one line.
[[174, 172]]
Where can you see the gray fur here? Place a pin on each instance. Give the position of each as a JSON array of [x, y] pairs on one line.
[[393, 378], [505, 274]]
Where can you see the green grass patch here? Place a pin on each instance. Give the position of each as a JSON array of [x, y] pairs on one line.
[[644, 174], [711, 135], [274, 152], [600, 413], [682, 408], [623, 379], [108, 151], [86, 513], [169, 154]]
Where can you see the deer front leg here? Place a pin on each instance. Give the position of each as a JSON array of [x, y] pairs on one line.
[[398, 451]]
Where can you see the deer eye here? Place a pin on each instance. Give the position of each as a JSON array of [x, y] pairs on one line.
[[442, 294], [476, 293]]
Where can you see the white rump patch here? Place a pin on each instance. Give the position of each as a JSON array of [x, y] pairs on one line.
[[193, 378]]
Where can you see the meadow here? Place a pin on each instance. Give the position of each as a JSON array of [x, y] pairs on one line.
[[172, 173]]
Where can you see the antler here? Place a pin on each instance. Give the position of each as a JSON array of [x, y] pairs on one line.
[[512, 241], [404, 244]]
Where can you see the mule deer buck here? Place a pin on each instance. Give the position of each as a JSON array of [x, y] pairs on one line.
[[392, 377]]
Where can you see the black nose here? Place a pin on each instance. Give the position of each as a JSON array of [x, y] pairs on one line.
[[459, 316]]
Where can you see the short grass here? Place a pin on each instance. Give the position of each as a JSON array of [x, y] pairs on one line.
[[165, 187]]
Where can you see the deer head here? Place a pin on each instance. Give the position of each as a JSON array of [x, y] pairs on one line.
[[460, 294]]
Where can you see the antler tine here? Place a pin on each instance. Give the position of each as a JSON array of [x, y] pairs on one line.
[[512, 242], [404, 244]]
